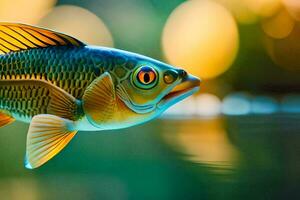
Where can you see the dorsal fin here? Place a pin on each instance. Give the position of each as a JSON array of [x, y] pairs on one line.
[[17, 37]]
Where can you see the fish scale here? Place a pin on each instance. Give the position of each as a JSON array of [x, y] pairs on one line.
[[37, 64], [60, 86], [25, 102], [71, 69]]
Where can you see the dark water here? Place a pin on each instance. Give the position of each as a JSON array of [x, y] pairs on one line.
[[245, 157]]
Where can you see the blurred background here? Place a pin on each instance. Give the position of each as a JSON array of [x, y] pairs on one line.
[[238, 138]]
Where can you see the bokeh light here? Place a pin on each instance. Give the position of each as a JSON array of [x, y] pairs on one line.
[[136, 25], [24, 11], [79, 23], [250, 11], [264, 105], [208, 105], [203, 105], [286, 51], [279, 26], [291, 103], [282, 33], [236, 104], [263, 8], [293, 7], [202, 37], [241, 11], [182, 109]]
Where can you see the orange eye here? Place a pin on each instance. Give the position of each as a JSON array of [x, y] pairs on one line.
[[146, 77]]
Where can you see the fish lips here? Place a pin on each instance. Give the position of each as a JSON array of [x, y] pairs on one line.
[[188, 86]]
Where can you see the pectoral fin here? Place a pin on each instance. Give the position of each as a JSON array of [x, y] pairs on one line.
[[5, 119], [99, 100], [47, 136]]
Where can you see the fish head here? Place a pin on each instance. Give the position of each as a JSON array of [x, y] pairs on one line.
[[151, 87], [134, 89]]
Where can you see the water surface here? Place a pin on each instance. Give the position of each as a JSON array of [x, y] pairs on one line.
[[242, 157]]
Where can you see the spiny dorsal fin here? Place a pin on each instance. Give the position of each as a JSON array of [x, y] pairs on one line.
[[47, 136], [17, 37]]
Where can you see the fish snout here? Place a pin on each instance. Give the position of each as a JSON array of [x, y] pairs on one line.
[[171, 76], [193, 80], [189, 85], [190, 79]]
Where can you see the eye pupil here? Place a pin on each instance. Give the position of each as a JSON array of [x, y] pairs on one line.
[[146, 78]]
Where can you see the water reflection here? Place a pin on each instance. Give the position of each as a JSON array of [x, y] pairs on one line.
[[203, 142], [269, 159], [19, 188], [253, 153], [233, 157]]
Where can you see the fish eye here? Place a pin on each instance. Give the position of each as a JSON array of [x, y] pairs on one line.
[[145, 77]]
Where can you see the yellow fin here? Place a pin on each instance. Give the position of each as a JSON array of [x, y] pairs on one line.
[[99, 100], [47, 136], [62, 103], [5, 119], [17, 37]]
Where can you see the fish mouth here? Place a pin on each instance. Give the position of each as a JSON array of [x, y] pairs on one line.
[[188, 86]]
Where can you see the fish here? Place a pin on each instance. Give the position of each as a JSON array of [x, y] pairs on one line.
[[60, 85]]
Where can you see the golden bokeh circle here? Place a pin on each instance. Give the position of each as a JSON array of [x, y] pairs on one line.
[[263, 8], [250, 11], [240, 10], [202, 37], [285, 52], [78, 22], [24, 11], [279, 26], [293, 7]]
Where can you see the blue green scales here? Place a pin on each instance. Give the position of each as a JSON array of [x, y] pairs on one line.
[[60, 86]]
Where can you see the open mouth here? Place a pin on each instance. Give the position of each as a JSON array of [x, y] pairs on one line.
[[186, 88]]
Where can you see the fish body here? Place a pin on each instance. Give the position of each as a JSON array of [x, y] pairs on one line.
[[60, 86], [69, 68]]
